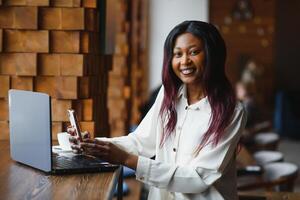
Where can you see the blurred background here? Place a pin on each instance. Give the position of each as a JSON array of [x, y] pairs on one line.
[[104, 59]]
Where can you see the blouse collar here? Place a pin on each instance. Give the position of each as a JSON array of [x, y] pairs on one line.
[[199, 105]]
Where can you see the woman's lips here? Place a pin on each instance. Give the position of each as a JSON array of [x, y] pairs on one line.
[[187, 71]]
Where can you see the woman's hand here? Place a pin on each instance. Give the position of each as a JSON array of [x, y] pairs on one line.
[[74, 139], [109, 152], [102, 149]]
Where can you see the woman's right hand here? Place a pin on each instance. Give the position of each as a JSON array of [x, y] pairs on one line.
[[74, 139]]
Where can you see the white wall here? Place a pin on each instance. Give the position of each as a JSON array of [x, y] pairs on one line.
[[163, 16]]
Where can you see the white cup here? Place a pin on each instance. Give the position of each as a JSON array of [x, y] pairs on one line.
[[63, 141]]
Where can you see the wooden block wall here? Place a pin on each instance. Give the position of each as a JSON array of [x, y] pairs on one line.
[[4, 85], [128, 76], [119, 75], [138, 59], [26, 41], [252, 38], [25, 2], [21, 64], [1, 33], [52, 46]]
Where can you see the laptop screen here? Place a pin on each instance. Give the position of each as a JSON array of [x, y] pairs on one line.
[[30, 128]]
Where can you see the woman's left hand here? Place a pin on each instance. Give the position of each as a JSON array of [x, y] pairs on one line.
[[109, 152]]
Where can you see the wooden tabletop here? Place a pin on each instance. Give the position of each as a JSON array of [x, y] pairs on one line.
[[18, 181], [269, 196]]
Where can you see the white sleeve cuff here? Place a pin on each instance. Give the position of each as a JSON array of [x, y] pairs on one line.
[[104, 139], [143, 169]]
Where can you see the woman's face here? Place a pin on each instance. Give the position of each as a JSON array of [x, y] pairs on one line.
[[188, 58], [240, 91]]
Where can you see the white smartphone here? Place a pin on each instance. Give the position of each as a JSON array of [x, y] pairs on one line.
[[74, 123]]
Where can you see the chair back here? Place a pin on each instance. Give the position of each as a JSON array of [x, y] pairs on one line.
[[282, 175]]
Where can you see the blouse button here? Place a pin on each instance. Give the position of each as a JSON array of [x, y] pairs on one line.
[[186, 107], [174, 149]]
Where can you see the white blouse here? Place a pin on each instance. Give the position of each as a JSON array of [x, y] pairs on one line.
[[176, 172]]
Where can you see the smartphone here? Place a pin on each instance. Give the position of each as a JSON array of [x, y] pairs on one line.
[[74, 123]]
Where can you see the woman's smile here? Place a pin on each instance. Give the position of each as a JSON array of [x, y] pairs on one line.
[[188, 71], [188, 59]]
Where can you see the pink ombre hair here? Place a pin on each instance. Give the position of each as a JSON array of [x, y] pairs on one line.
[[216, 86]]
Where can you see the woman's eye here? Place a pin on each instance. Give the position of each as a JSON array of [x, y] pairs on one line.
[[177, 54], [193, 53]]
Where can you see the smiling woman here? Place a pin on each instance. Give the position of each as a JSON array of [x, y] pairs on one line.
[[188, 63], [193, 127]]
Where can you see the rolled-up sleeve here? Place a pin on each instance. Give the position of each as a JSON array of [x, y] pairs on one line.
[[169, 176], [207, 167]]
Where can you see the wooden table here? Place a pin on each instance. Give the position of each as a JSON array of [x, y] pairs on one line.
[[269, 196], [18, 181]]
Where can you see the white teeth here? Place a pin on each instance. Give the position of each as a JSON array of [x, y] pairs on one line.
[[187, 71]]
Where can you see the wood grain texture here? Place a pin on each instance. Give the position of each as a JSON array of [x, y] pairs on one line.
[[89, 3], [62, 64], [85, 87], [4, 127], [117, 108], [4, 85], [14, 2], [3, 110], [26, 2], [37, 2], [66, 3], [49, 64], [25, 18], [18, 17], [26, 64], [1, 39], [84, 109], [67, 87], [62, 18], [57, 127], [22, 83], [57, 187], [58, 87], [91, 20], [23, 64], [88, 126], [7, 64], [59, 109], [89, 42], [26, 41], [73, 18], [65, 41], [50, 18], [72, 65], [46, 84], [60, 69], [6, 17], [259, 195]]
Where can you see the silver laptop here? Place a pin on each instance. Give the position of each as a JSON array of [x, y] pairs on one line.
[[31, 138]]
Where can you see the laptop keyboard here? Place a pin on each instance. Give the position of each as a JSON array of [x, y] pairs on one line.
[[75, 162]]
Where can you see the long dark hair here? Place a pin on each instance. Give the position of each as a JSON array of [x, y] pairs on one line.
[[215, 84]]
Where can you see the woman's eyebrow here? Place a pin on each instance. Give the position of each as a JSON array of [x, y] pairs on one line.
[[191, 46]]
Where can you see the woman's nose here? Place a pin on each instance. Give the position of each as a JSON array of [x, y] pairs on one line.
[[185, 60]]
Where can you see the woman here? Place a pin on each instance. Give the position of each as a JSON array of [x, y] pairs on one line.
[[193, 127]]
